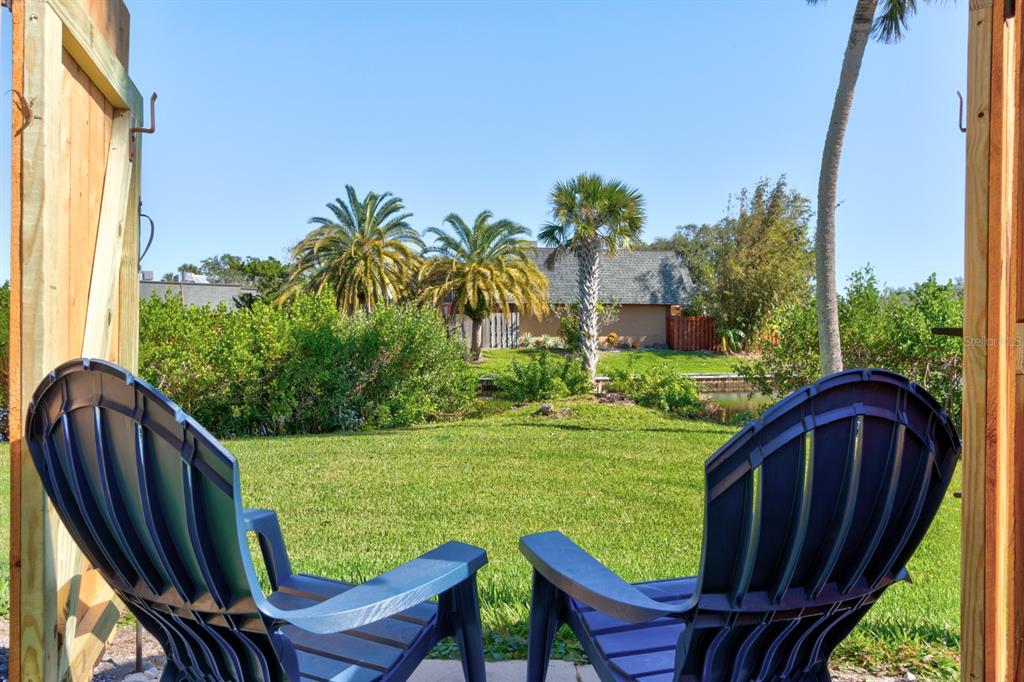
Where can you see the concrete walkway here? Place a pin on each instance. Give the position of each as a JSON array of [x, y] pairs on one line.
[[563, 671], [119, 660], [506, 671]]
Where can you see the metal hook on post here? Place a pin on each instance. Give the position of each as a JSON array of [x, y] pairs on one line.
[[963, 128], [149, 130]]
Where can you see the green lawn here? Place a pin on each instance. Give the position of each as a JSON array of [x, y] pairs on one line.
[[623, 481], [684, 362]]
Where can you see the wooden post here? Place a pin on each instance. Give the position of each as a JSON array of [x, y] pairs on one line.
[[74, 292], [993, 463]]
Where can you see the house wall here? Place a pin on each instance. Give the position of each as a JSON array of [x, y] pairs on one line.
[[634, 320], [195, 294], [528, 324], [640, 320]]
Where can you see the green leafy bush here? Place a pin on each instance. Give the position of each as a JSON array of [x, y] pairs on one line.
[[889, 329], [569, 321], [543, 377], [403, 367], [661, 389], [569, 330], [303, 368]]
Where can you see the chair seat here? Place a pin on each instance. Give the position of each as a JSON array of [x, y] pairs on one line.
[[361, 655], [640, 652]]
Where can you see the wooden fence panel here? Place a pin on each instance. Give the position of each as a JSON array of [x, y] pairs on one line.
[[992, 594], [691, 332], [74, 280], [498, 331]]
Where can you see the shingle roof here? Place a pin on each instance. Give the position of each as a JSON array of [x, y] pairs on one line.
[[627, 278]]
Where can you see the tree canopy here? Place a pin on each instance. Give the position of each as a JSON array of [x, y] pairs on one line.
[[482, 268], [754, 260], [365, 253]]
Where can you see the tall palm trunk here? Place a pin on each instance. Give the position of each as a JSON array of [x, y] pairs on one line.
[[825, 235], [476, 343], [588, 278]]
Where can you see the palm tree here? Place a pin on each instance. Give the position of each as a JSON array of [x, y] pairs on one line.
[[365, 253], [888, 27], [591, 215], [482, 268]]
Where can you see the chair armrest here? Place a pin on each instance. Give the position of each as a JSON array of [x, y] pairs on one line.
[[411, 583], [568, 567], [264, 523]]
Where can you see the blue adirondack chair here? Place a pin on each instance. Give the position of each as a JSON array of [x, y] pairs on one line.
[[153, 501], [811, 512]]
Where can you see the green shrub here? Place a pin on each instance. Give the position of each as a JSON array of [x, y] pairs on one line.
[[659, 388], [878, 328], [543, 377], [569, 321], [303, 368], [403, 367], [569, 330]]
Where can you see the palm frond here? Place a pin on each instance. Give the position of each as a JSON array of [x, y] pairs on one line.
[[482, 267], [893, 19], [366, 254]]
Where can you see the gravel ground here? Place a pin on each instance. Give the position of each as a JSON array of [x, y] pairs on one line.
[[118, 662]]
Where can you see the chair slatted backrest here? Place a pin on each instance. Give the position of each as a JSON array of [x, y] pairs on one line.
[[810, 513], [153, 501]]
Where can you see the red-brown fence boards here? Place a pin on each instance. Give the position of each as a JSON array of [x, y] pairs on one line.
[[687, 332]]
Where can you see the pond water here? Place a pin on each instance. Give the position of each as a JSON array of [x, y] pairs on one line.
[[735, 404]]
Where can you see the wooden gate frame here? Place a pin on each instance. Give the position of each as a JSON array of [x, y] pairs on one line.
[[61, 610], [992, 621], [992, 554]]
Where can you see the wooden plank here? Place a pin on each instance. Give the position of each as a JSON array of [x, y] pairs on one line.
[[97, 56], [972, 609], [60, 618], [78, 114], [109, 242], [1006, 311], [126, 338], [95, 138], [20, 117], [123, 31], [1020, 332], [100, 612], [112, 21], [1016, 582], [39, 289], [991, 620], [998, 424], [94, 117]]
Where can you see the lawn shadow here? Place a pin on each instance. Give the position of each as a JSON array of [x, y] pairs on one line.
[[577, 427]]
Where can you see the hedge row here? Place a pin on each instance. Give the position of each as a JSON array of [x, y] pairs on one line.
[[303, 368]]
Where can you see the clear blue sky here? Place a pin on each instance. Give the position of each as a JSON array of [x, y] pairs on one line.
[[267, 109]]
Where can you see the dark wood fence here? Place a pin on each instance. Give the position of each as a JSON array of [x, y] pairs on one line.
[[690, 332]]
